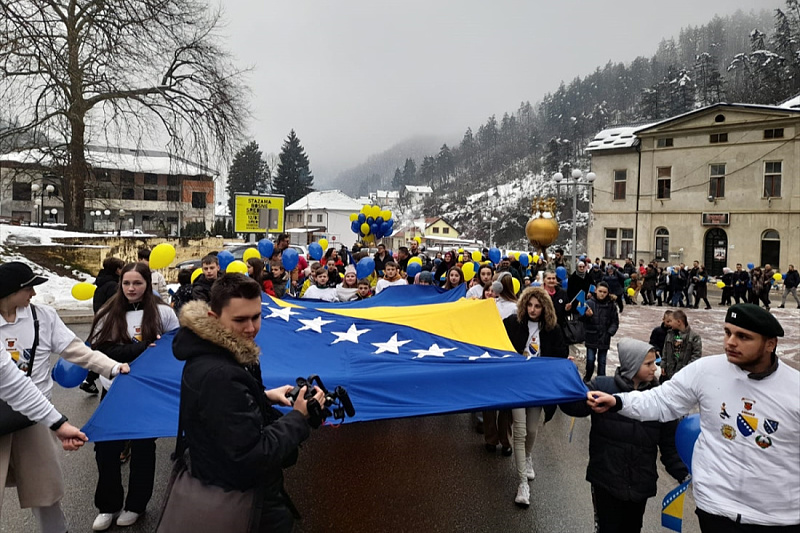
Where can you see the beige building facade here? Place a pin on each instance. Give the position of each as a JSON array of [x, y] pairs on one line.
[[720, 185]]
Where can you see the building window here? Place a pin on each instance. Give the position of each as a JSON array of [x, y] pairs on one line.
[[626, 243], [173, 196], [289, 218], [664, 142], [620, 184], [199, 200], [21, 191], [436, 230], [151, 179], [172, 181], [662, 244], [776, 133], [445, 230], [716, 186], [103, 175], [319, 218], [664, 182], [718, 138], [126, 177], [309, 218], [127, 194], [610, 249], [150, 194], [772, 179]]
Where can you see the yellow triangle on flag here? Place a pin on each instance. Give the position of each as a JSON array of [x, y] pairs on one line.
[[675, 507], [472, 321]]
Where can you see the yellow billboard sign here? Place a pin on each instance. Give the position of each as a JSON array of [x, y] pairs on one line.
[[257, 214]]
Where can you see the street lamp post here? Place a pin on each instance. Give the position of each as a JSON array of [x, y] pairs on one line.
[[37, 190], [572, 187], [121, 214]]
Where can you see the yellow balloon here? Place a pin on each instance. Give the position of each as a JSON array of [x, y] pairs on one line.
[[535, 258], [353, 217], [237, 267], [777, 277], [197, 272], [386, 215], [365, 209], [631, 292], [721, 284], [469, 271], [161, 256], [515, 282], [83, 290], [365, 228], [416, 260], [251, 252], [376, 211], [476, 255], [324, 244], [419, 240]]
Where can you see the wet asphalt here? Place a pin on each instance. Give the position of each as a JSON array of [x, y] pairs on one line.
[[426, 474]]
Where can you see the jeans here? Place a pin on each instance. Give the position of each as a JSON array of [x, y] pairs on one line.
[[109, 495], [525, 427], [617, 516], [677, 298], [601, 362]]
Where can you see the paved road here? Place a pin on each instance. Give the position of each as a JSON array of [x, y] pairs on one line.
[[421, 474]]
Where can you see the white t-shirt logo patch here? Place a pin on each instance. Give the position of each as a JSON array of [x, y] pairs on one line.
[[733, 315]]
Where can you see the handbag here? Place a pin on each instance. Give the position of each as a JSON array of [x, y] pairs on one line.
[[193, 506], [574, 331], [11, 420]]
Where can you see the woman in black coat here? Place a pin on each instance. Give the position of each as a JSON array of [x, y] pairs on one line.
[[534, 332], [623, 451]]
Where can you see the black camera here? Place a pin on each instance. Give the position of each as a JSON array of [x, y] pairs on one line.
[[337, 403]]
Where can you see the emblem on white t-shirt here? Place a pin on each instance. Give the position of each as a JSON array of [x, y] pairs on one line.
[[728, 432], [137, 332]]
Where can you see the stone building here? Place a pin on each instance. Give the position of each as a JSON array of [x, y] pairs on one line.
[[720, 185]]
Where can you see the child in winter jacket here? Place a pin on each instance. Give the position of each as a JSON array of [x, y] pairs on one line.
[[602, 322]]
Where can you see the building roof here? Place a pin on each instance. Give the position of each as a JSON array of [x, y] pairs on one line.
[[221, 210], [418, 189], [387, 194], [114, 158], [617, 137], [333, 200]]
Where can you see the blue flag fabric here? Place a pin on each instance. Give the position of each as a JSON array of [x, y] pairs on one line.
[[672, 508], [393, 296], [389, 370], [581, 298]]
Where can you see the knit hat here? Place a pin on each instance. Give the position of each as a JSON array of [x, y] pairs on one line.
[[497, 287], [425, 276], [632, 353], [349, 269], [753, 318], [15, 276]]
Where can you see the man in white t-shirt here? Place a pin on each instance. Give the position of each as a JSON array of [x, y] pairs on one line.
[[390, 278], [31, 454], [745, 466]]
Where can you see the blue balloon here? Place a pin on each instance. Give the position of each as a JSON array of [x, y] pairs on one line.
[[750, 266], [354, 227], [365, 267], [379, 220], [362, 218], [561, 272], [413, 269], [390, 222], [289, 258], [685, 438], [524, 260], [384, 228], [494, 255], [265, 248], [388, 233], [370, 221], [225, 258], [564, 283], [67, 374], [374, 228], [315, 251]]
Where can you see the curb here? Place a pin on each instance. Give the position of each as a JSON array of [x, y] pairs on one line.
[[72, 318]]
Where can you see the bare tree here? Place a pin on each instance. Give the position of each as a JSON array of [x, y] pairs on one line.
[[77, 71]]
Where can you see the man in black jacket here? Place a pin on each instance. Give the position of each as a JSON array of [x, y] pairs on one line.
[[740, 281], [201, 288], [236, 439], [790, 283]]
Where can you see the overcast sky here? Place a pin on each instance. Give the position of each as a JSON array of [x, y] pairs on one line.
[[353, 77]]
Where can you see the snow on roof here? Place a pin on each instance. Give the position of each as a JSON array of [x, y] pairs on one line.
[[387, 194], [333, 200], [791, 103], [222, 210], [618, 137], [112, 158], [419, 189]]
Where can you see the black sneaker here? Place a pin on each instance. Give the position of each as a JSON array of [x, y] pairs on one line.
[[89, 387]]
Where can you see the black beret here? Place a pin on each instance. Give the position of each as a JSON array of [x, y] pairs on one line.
[[753, 318], [15, 276]]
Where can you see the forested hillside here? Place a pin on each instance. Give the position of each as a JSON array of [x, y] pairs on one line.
[[744, 57]]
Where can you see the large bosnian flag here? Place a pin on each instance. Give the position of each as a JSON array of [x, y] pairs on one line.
[[395, 362]]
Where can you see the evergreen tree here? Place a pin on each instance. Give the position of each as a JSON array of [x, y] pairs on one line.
[[708, 80], [410, 172], [247, 173], [428, 171], [294, 179], [397, 181], [444, 164]]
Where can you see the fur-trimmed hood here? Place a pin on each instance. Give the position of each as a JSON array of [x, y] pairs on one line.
[[194, 316]]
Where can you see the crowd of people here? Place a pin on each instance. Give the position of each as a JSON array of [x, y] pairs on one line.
[[634, 412]]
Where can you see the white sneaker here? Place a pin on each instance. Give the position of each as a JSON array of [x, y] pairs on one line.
[[529, 468], [523, 498], [103, 521], [127, 518]]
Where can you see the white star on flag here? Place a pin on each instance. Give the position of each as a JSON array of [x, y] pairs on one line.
[[392, 345], [486, 355], [283, 312], [315, 325], [433, 351], [351, 335]]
